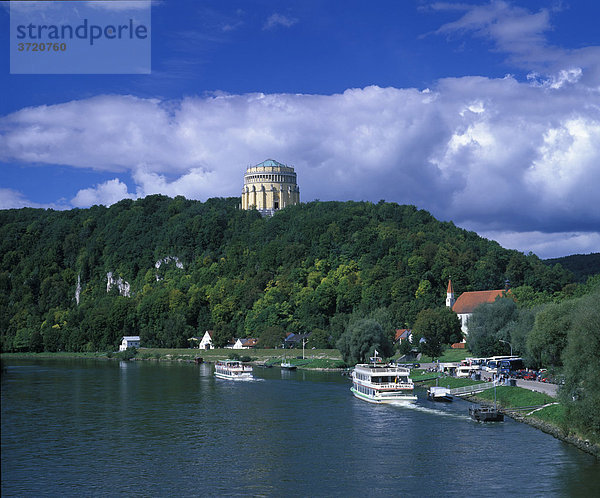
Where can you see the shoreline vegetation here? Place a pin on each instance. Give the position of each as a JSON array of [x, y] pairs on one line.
[[316, 359]]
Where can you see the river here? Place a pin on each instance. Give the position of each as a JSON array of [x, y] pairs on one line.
[[86, 427]]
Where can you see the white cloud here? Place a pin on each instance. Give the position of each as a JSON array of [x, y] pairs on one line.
[[192, 184], [275, 20], [13, 199], [547, 245], [106, 193], [122, 5], [493, 153], [556, 81], [521, 34]]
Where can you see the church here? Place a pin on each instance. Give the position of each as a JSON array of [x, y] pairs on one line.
[[467, 302], [269, 186]]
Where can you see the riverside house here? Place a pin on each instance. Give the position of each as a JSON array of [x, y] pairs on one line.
[[130, 341]]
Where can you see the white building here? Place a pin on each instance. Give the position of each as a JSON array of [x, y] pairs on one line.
[[130, 341], [468, 301], [243, 343], [206, 341]]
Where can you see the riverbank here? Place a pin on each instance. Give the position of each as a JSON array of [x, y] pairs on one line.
[[533, 408], [315, 359]]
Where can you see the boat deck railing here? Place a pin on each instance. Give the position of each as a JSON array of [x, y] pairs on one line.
[[392, 385], [384, 369]]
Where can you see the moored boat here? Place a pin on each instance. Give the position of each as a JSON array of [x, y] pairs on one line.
[[286, 365], [437, 393], [382, 383], [486, 414], [233, 370]]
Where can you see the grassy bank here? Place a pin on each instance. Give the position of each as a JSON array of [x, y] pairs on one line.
[[523, 406], [50, 356], [449, 356], [314, 358]]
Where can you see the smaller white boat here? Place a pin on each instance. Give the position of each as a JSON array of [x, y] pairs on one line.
[[233, 370], [437, 393], [286, 365]]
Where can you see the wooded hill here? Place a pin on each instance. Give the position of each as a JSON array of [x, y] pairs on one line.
[[193, 266], [581, 265]]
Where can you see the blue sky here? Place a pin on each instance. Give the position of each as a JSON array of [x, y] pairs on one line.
[[486, 113]]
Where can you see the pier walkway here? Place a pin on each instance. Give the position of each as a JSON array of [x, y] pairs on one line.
[[473, 389]]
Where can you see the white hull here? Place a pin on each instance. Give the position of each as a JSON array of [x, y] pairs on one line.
[[244, 376], [385, 399]]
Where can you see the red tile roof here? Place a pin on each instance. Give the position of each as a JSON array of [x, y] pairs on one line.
[[250, 342], [450, 288], [401, 334], [468, 301]]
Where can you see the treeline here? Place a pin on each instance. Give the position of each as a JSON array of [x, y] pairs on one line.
[[581, 265], [193, 266], [562, 336]]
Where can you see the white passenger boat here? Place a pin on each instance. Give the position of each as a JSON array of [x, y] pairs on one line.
[[379, 383], [233, 369]]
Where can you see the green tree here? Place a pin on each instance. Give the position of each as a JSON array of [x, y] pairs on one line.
[[438, 327], [361, 339], [405, 347], [272, 337], [490, 323], [222, 334], [548, 339], [319, 339], [581, 392]]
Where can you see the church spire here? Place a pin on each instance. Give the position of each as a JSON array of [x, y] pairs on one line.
[[450, 295]]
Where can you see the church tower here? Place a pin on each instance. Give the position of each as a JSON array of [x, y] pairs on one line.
[[450, 295]]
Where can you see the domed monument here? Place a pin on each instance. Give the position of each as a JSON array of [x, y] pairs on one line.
[[269, 186]]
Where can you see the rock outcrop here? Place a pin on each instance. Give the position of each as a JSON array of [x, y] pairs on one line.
[[123, 286]]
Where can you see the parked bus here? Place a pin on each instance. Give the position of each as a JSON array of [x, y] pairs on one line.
[[492, 364], [473, 362], [510, 365]]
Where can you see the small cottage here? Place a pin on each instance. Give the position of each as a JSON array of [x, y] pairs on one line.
[[206, 341], [130, 341], [245, 343]]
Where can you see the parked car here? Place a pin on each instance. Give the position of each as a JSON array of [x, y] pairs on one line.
[[542, 375], [531, 375]]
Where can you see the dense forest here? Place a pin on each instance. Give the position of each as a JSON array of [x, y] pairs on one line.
[[582, 266], [179, 267]]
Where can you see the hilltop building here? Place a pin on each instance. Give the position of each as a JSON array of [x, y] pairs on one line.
[[269, 186], [468, 301]]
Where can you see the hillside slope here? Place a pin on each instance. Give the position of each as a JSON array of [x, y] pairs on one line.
[[581, 265], [179, 267]]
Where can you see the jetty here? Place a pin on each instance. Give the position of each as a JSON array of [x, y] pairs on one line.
[[473, 389]]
